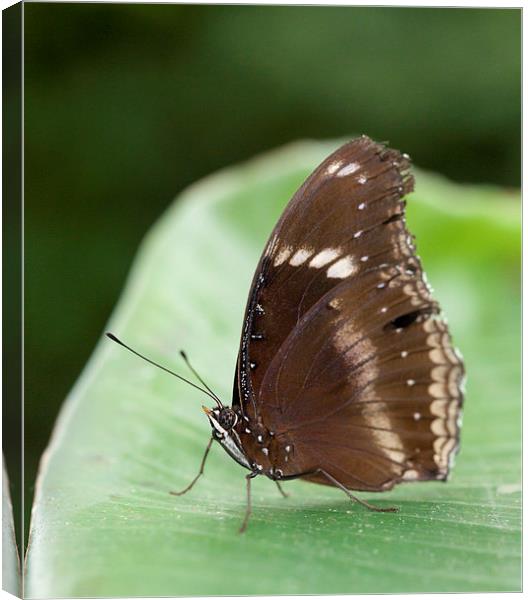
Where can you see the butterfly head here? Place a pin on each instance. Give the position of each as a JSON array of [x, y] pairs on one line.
[[222, 420]]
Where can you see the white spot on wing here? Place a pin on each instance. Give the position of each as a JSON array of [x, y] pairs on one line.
[[438, 427], [348, 169], [300, 257], [333, 167], [342, 268], [335, 303], [437, 390], [282, 256], [324, 257]]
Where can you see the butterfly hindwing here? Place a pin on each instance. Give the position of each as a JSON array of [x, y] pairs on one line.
[[367, 386]]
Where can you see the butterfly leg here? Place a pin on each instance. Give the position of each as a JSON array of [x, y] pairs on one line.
[[284, 494], [355, 498], [245, 522], [200, 472]]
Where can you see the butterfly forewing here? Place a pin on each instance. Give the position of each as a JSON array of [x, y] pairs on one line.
[[343, 356], [328, 227]]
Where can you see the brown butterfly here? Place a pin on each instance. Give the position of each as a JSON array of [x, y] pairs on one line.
[[346, 373]]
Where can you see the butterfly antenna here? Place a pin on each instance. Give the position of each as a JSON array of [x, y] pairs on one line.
[[195, 373], [208, 393]]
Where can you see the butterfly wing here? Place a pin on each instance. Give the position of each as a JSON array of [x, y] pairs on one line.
[[343, 356], [367, 385]]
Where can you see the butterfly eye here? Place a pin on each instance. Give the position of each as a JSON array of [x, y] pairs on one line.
[[227, 419]]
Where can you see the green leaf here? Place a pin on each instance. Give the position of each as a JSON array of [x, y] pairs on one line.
[[104, 523], [10, 560]]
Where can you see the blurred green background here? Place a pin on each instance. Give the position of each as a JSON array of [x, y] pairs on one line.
[[125, 105]]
